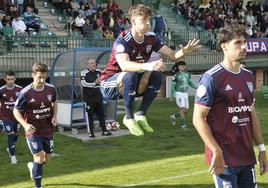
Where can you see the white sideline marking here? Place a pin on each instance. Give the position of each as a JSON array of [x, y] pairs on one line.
[[166, 178]]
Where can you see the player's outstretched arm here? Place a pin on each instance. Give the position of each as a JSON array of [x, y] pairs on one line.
[[29, 129], [130, 66], [199, 116], [185, 50], [257, 136]]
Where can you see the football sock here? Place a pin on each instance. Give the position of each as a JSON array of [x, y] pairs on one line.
[[182, 121], [11, 144], [37, 173], [129, 93], [177, 114], [154, 84]]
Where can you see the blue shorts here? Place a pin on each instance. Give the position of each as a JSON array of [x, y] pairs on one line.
[[109, 88], [236, 177], [10, 126], [37, 144]]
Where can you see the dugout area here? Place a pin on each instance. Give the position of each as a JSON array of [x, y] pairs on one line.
[[65, 76]]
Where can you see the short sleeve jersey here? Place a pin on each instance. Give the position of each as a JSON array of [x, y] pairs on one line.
[[8, 98], [230, 97], [139, 52], [36, 107]]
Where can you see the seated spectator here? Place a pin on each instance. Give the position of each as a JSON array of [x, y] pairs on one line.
[[20, 7], [74, 7], [97, 34], [79, 22], [30, 21], [109, 21], [210, 24], [82, 10], [66, 8], [112, 6], [8, 33], [87, 29], [94, 5], [30, 3], [19, 26], [2, 14], [100, 19], [108, 33], [12, 11]]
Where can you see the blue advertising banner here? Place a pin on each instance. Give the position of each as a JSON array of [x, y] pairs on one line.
[[257, 45]]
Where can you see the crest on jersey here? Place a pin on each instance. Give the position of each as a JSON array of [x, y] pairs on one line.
[[250, 86], [34, 145], [49, 97], [148, 48]]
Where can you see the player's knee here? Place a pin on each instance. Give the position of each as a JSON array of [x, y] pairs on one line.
[[130, 80], [40, 157], [155, 79]]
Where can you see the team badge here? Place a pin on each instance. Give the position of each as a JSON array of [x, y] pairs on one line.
[[148, 48], [201, 91], [34, 145], [49, 97], [120, 48], [250, 86]]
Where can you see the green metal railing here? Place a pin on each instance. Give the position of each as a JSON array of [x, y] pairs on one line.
[[25, 51]]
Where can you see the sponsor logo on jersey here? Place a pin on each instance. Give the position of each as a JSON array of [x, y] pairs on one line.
[[228, 88], [250, 86], [240, 97], [32, 100], [148, 48], [237, 109], [49, 97], [44, 110]]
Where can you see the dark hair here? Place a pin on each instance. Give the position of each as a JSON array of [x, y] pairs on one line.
[[181, 63], [139, 10], [39, 67], [229, 32], [9, 73]]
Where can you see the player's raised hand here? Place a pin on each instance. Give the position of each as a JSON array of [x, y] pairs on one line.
[[29, 129], [262, 158], [159, 65], [217, 163], [54, 121], [191, 46]]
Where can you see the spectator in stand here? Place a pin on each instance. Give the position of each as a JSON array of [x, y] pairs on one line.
[[20, 7], [264, 23], [109, 21], [19, 26], [66, 8], [97, 33], [82, 11], [10, 3], [159, 26], [29, 19], [87, 29], [79, 22], [1, 22], [12, 11], [8, 33], [112, 6], [30, 3], [108, 33], [74, 7], [100, 20], [95, 5], [210, 24]]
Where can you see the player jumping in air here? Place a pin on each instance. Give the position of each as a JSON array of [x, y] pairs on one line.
[[129, 73]]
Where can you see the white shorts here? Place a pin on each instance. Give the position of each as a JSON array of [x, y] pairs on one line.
[[182, 99]]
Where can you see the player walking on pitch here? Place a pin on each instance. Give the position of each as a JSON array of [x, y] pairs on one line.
[[36, 110], [8, 95], [225, 116]]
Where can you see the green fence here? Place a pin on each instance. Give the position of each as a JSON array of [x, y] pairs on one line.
[[25, 51]]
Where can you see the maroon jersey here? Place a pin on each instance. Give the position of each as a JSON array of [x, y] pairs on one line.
[[139, 52], [7, 100], [230, 97], [36, 107]]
